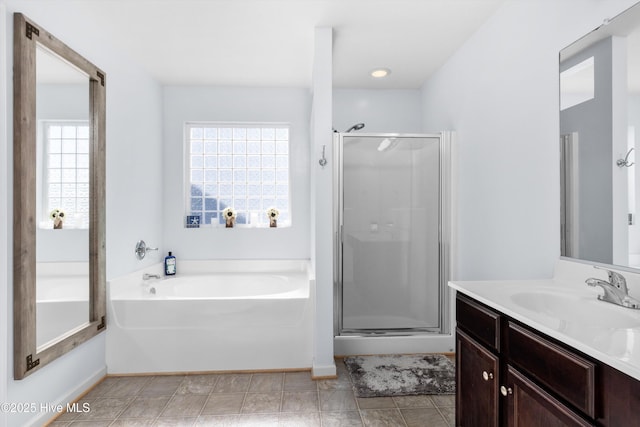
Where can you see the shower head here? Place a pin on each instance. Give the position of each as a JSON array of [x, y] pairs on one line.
[[357, 126]]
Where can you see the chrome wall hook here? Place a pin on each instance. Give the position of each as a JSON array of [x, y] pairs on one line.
[[323, 160], [625, 162]]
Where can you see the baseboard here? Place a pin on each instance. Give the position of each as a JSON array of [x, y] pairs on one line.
[[76, 393], [320, 372]]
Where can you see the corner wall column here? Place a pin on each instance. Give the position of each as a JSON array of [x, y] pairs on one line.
[[322, 204]]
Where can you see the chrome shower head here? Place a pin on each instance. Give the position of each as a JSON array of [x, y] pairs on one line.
[[357, 126]]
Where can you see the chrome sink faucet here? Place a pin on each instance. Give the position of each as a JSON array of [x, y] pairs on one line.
[[615, 290], [147, 276]]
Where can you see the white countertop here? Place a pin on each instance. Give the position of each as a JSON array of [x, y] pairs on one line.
[[566, 309]]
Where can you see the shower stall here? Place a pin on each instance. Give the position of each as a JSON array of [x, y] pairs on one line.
[[392, 242]]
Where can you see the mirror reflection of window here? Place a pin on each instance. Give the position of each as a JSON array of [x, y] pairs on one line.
[[62, 110], [66, 177], [577, 84]]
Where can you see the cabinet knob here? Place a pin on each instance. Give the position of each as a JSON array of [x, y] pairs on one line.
[[505, 391], [487, 375]]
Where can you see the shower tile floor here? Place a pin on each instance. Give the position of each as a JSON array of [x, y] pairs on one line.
[[260, 399]]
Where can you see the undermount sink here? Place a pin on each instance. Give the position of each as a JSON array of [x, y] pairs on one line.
[[576, 308]]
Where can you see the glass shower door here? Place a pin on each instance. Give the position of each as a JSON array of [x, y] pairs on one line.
[[390, 217]]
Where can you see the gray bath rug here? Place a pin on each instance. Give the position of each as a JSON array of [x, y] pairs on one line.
[[401, 375]]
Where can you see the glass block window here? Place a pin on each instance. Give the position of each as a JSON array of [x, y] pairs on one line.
[[239, 166], [66, 174]]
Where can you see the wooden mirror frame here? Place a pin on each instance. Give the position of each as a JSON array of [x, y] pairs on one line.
[[26, 357]]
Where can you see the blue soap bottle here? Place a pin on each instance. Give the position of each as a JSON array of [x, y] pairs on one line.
[[169, 265]]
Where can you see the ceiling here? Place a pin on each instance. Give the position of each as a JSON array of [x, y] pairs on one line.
[[270, 42]]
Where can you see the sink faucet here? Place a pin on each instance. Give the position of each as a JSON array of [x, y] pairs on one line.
[[147, 276], [615, 290]]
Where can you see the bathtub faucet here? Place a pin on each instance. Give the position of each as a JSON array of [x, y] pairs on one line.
[[147, 276]]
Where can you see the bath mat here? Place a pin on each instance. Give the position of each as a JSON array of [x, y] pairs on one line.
[[401, 375]]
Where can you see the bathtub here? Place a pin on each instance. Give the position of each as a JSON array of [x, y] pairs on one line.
[[211, 316]]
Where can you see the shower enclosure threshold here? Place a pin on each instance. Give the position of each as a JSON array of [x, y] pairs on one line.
[[389, 332], [349, 345]]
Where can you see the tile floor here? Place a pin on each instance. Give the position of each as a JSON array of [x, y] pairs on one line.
[[259, 399]]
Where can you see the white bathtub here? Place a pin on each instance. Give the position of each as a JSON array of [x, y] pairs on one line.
[[211, 316]]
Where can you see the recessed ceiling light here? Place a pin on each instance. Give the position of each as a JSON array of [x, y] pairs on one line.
[[379, 73]]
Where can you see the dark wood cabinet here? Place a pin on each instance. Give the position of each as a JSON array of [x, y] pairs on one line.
[[509, 374], [478, 365], [477, 383], [531, 406]]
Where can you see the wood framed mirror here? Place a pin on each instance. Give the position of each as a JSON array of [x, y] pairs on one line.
[[59, 275]]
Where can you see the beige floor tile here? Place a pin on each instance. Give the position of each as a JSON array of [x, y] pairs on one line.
[[218, 421], [413, 401], [162, 386], [93, 423], [105, 408], [341, 419], [383, 417], [145, 407], [174, 422], [261, 383], [375, 402], [300, 420], [420, 417], [99, 389], [126, 386], [299, 381], [287, 399], [184, 406], [223, 403], [197, 384], [232, 383], [261, 403], [337, 400], [132, 422], [444, 400], [258, 420], [300, 401], [341, 383], [449, 414]]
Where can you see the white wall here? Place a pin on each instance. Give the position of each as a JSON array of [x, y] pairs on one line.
[[385, 111], [499, 92], [195, 103], [134, 207]]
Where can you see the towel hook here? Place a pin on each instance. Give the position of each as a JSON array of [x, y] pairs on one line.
[[323, 160], [625, 162]]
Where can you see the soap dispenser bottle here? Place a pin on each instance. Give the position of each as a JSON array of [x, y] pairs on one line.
[[169, 265]]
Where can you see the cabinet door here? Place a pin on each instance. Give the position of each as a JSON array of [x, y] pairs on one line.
[[528, 405], [477, 384]]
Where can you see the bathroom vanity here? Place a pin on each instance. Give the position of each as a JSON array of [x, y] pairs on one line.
[[545, 353]]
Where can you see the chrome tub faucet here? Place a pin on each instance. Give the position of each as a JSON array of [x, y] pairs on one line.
[[615, 290], [147, 276]]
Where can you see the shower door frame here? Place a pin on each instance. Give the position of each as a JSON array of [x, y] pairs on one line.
[[444, 235]]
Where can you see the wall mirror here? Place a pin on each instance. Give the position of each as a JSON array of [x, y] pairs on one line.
[[59, 198], [599, 135]]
